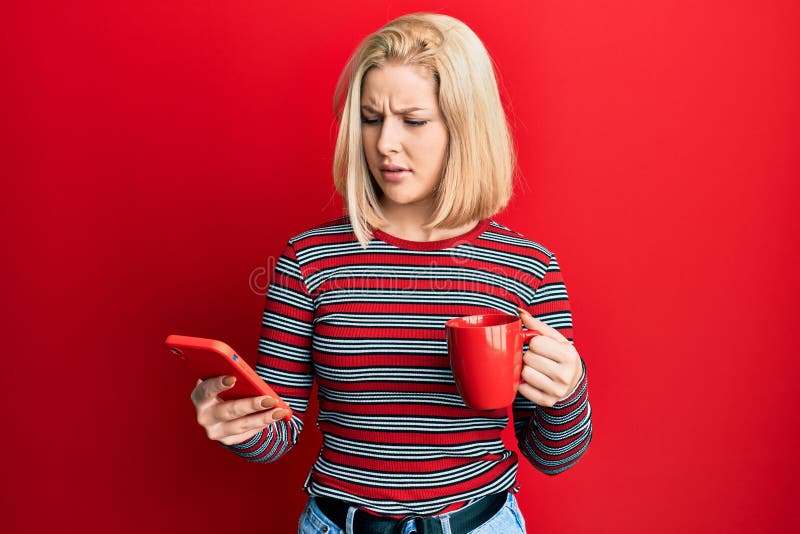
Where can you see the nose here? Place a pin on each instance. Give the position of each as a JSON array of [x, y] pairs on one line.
[[390, 137]]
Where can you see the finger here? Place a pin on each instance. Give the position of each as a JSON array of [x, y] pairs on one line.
[[198, 395], [538, 380], [206, 390], [279, 414], [532, 323], [234, 409], [243, 425], [550, 348], [196, 389], [536, 396], [558, 373], [544, 365]]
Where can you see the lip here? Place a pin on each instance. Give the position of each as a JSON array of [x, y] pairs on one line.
[[392, 167], [394, 176]]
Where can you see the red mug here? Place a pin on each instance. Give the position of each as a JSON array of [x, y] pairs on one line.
[[486, 357]]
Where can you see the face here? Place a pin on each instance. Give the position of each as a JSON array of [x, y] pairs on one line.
[[394, 134]]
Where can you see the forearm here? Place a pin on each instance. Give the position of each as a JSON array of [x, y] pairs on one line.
[[284, 360], [557, 436], [270, 444]]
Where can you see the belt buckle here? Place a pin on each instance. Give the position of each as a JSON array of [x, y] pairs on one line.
[[398, 528]]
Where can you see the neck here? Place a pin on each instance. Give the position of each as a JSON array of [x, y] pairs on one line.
[[407, 219], [406, 222]]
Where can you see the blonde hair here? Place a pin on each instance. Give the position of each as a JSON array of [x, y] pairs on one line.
[[477, 179]]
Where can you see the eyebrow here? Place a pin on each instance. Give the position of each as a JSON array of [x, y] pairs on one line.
[[367, 107]]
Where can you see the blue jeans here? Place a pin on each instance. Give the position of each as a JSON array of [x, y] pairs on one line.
[[508, 520]]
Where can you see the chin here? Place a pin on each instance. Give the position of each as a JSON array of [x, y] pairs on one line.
[[404, 199]]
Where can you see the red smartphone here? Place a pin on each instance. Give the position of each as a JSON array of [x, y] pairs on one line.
[[208, 358]]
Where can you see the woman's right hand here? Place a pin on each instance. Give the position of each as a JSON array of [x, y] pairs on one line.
[[233, 421]]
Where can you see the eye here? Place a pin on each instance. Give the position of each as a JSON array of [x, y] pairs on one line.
[[364, 120]]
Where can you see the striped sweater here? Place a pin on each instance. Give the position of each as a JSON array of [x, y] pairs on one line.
[[368, 325]]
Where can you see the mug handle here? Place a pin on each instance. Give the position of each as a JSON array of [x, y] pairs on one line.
[[527, 335]]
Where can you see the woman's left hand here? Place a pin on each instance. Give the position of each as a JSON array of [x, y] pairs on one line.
[[552, 367]]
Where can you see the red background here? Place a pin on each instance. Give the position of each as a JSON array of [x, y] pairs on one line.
[[156, 156]]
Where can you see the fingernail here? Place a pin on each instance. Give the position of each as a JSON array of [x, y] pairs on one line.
[[277, 415], [267, 402], [228, 381]]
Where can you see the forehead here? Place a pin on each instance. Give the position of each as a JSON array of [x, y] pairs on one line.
[[403, 88]]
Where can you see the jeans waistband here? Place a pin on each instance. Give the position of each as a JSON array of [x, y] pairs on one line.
[[461, 521]]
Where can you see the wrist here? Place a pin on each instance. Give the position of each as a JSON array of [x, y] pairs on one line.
[[576, 383]]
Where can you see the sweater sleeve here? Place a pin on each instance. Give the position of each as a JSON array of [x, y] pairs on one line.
[[554, 438], [284, 358]]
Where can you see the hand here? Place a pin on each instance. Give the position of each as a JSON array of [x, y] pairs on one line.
[[552, 367], [233, 421]]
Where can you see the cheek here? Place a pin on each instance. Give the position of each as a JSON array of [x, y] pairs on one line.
[[368, 146], [433, 153], [436, 144]]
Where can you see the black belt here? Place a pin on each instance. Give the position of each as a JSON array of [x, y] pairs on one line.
[[461, 521]]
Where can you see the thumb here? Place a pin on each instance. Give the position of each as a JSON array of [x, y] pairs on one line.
[[530, 322], [227, 381], [539, 326]]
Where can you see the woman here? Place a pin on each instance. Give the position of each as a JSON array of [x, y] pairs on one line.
[[424, 159]]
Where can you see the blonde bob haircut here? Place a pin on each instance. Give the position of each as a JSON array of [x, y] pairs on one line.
[[477, 177]]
